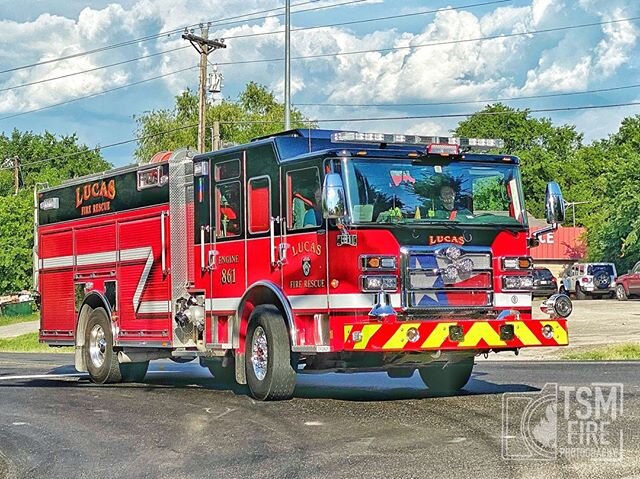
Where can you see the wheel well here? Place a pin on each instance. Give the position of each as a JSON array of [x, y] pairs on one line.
[[92, 301], [257, 295]]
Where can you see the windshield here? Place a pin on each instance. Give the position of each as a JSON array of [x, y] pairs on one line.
[[393, 191]]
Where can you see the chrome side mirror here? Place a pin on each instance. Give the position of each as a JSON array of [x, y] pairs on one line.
[[333, 198], [554, 206]]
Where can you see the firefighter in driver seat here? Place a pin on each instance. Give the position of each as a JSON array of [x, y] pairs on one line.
[[446, 207]]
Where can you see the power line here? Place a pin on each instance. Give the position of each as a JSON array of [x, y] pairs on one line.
[[466, 102], [433, 44], [171, 32], [333, 120], [531, 32], [45, 80], [97, 94], [369, 20]]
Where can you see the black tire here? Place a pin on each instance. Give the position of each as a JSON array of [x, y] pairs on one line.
[[226, 375], [621, 293], [272, 379], [563, 290], [447, 377], [580, 294], [133, 372], [100, 358]]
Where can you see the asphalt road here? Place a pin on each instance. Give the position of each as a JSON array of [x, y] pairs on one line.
[[180, 423]]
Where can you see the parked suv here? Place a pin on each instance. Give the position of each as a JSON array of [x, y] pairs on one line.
[[590, 279], [628, 284], [544, 283]]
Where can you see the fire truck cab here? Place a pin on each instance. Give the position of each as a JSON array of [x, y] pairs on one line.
[[308, 250]]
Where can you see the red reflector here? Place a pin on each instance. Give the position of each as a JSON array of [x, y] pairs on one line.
[[442, 149]]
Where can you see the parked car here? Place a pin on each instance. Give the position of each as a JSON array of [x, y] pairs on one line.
[[544, 282], [590, 279], [628, 285]]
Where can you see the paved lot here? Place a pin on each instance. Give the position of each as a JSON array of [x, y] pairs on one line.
[[594, 322]]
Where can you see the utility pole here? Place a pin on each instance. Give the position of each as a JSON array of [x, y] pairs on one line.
[[215, 136], [287, 65], [16, 174], [203, 46]]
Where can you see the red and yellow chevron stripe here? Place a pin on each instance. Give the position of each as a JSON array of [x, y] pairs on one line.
[[433, 335]]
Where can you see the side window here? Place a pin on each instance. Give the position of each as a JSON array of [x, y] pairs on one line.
[[259, 206], [228, 210], [304, 197], [636, 268]]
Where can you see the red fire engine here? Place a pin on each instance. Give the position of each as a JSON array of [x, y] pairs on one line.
[[302, 251]]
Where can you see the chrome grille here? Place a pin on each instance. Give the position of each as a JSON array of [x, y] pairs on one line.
[[447, 277]]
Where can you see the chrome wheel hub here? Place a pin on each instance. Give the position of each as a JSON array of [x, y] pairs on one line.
[[259, 353], [97, 345]]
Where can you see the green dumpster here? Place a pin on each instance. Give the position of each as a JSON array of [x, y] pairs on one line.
[[16, 309]]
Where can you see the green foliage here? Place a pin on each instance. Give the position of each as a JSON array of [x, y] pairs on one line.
[[24, 318], [256, 113], [28, 343], [543, 148], [44, 158], [618, 352], [605, 175]]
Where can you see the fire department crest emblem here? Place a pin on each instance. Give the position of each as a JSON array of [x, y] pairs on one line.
[[306, 266]]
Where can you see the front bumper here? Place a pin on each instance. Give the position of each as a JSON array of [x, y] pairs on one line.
[[433, 335]]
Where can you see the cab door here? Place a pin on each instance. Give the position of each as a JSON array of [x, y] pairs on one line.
[[228, 265], [304, 277]]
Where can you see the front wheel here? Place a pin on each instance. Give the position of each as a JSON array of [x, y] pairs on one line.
[[447, 377], [621, 293], [270, 375]]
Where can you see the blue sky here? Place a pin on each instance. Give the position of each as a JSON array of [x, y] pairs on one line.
[[407, 80]]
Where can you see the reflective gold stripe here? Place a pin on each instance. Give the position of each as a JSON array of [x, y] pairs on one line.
[[482, 330], [438, 336], [524, 334], [559, 333], [367, 332], [347, 331], [399, 338]]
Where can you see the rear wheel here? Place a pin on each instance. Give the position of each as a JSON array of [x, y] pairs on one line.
[[270, 375], [447, 377], [621, 293], [99, 356], [580, 294]]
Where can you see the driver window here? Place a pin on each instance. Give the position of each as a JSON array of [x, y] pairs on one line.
[[228, 213], [304, 199]]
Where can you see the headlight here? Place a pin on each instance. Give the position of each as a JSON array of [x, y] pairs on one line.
[[517, 282], [379, 283]]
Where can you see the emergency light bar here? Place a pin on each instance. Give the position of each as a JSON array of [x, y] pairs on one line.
[[357, 137]]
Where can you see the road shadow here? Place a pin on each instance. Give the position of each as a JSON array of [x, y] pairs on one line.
[[358, 387]]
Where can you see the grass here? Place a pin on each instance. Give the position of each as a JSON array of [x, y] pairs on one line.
[[608, 353], [28, 343], [6, 320]]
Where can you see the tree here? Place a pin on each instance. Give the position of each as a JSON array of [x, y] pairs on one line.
[[613, 223], [256, 113], [44, 158], [544, 149]]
